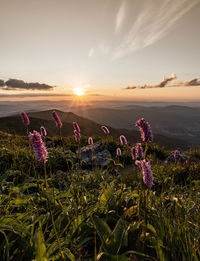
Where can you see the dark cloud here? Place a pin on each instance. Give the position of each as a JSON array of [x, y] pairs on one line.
[[165, 81], [35, 95], [130, 87], [2, 83], [16, 84]]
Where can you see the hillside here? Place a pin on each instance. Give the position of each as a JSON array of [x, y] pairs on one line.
[[13, 124]]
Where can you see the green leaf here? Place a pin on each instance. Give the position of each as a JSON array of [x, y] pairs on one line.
[[151, 228], [118, 234], [103, 231], [40, 248]]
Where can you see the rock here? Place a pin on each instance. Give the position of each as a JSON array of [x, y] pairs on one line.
[[171, 159], [95, 154], [49, 144]]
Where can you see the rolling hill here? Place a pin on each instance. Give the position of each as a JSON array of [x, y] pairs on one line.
[[13, 124]]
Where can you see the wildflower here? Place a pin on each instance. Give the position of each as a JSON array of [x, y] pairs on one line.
[[25, 118], [139, 151], [176, 154], [118, 152], [57, 119], [147, 173], [145, 129], [39, 148], [105, 130], [138, 163], [123, 140], [77, 136], [133, 153], [76, 127], [43, 131], [90, 141]]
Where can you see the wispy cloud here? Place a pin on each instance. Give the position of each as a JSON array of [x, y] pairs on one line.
[[120, 17], [153, 21], [102, 49], [91, 52]]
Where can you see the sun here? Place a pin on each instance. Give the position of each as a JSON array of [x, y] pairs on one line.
[[78, 91]]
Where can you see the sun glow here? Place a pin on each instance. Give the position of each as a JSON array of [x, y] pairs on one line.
[[78, 91]]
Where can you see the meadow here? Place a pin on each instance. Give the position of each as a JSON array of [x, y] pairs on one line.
[[55, 206]]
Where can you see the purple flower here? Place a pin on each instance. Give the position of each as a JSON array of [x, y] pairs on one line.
[[139, 151], [90, 141], [123, 140], [147, 173], [38, 146], [76, 127], [176, 154], [138, 163], [25, 118], [43, 131], [57, 119], [105, 130], [133, 153], [118, 152], [77, 136], [145, 129]]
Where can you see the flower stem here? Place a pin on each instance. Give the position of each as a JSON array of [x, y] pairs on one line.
[[49, 206]]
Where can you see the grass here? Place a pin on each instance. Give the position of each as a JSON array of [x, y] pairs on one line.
[[100, 214]]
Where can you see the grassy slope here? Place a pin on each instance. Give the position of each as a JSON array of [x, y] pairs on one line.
[[96, 213]]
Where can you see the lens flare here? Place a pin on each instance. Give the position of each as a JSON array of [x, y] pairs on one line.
[[78, 91]]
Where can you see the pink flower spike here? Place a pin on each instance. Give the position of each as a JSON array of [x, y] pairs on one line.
[[57, 119], [38, 146], [25, 118], [76, 127], [118, 152], [123, 140], [90, 141], [43, 131], [105, 130]]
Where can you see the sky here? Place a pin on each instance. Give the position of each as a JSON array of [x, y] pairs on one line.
[[50, 47]]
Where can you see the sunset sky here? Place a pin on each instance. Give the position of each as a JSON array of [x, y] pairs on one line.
[[101, 46]]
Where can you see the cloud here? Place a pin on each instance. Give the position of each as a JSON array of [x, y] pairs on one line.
[[2, 82], [102, 49], [130, 87], [165, 83], [153, 21], [120, 17], [91, 52], [34, 95], [193, 82], [16, 84]]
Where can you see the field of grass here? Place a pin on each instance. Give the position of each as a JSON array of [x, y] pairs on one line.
[[96, 213]]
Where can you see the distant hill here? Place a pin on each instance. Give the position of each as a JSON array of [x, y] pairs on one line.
[[13, 124], [180, 122]]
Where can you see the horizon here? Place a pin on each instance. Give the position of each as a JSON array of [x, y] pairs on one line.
[[121, 50]]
